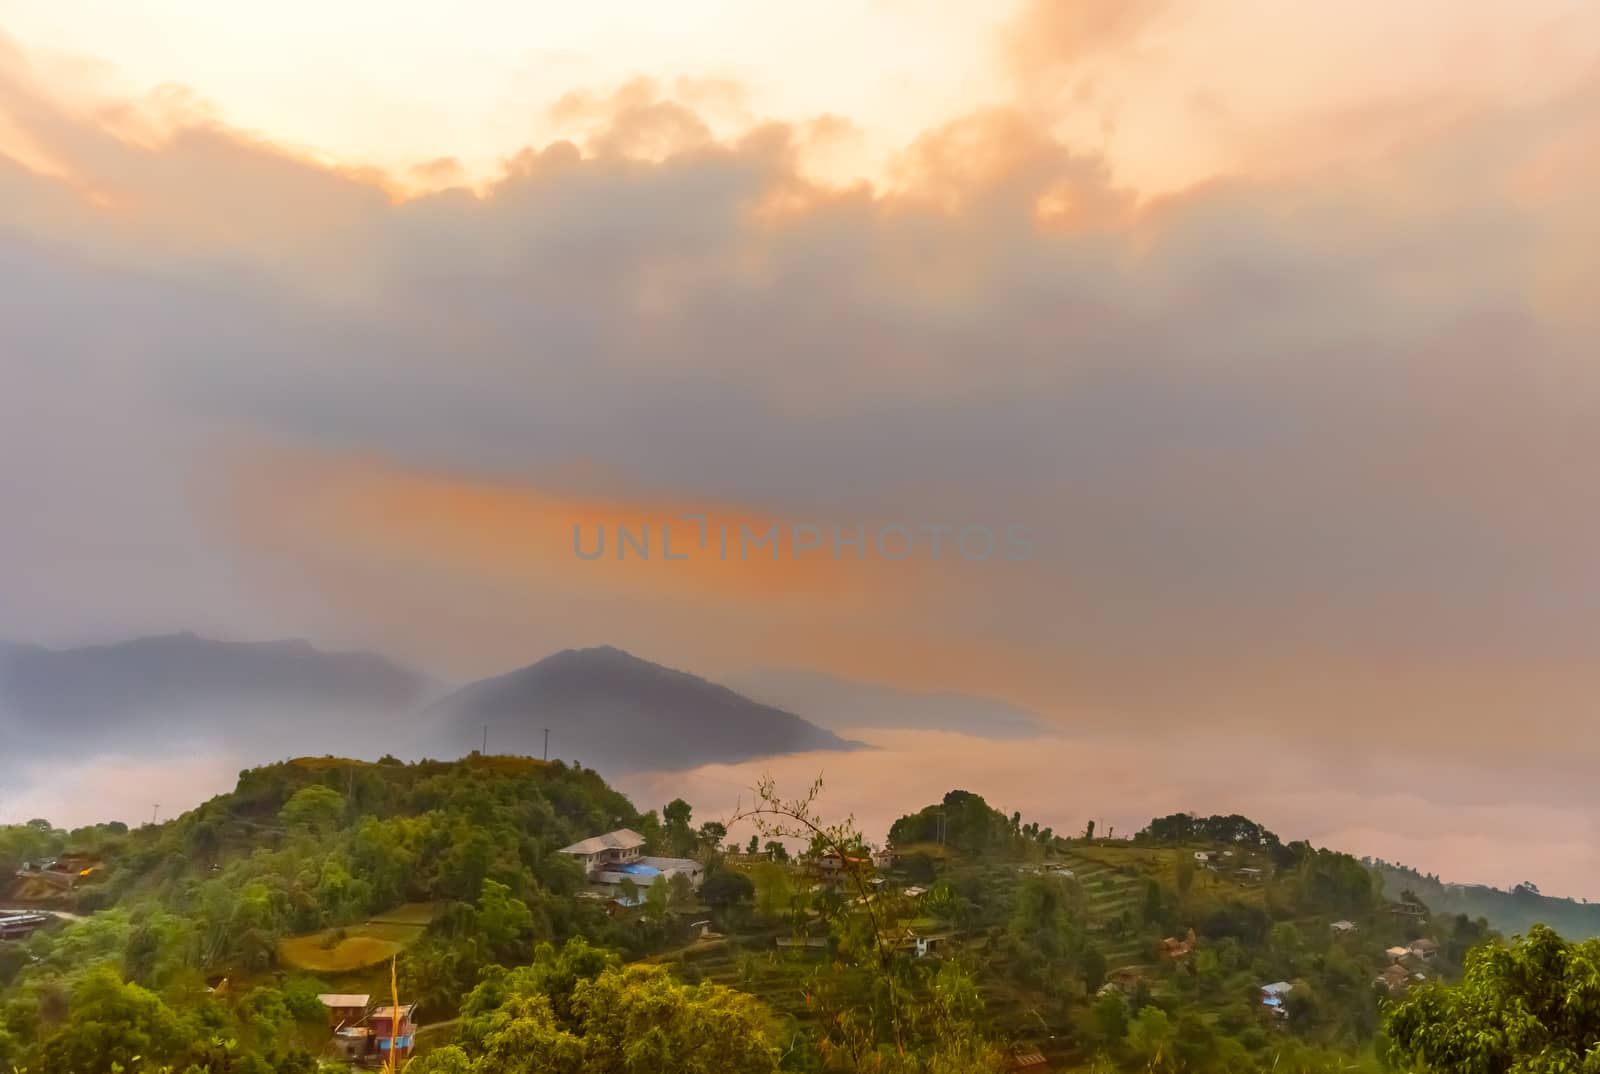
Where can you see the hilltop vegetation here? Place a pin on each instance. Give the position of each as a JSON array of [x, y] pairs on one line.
[[1515, 911], [206, 940]]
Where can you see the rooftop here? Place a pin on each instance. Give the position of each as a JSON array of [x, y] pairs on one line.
[[340, 999], [621, 839]]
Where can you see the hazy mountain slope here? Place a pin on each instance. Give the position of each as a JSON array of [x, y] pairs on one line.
[[610, 710], [1512, 912], [841, 703], [177, 691]]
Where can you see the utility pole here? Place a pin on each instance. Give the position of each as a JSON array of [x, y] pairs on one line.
[[153, 810], [547, 743], [486, 740]]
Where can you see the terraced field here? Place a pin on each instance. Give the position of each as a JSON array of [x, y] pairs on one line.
[[1110, 889], [355, 947]]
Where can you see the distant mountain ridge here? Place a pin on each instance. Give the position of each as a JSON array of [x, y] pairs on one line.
[[610, 709], [1514, 911], [182, 687], [840, 704], [256, 700]]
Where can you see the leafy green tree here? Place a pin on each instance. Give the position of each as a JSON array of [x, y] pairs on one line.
[[316, 809], [1093, 963], [726, 887], [657, 900], [1111, 1016], [1532, 1008], [112, 1027], [576, 1012], [676, 816], [712, 833], [1150, 1039], [503, 922]]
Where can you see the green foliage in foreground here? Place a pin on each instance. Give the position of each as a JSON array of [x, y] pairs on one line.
[[577, 1011], [1530, 1008]]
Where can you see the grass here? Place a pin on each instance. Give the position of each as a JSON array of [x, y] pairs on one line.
[[359, 946], [411, 913], [355, 952]]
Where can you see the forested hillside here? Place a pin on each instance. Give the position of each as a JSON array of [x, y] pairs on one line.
[[975, 941], [1511, 912]]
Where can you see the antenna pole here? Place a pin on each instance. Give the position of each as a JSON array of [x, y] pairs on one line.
[[547, 743], [486, 740]]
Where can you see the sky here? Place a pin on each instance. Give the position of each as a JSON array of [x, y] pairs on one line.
[[1269, 327]]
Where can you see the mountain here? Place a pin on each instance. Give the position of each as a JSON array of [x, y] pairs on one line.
[[611, 710], [1512, 912], [184, 691], [841, 704]]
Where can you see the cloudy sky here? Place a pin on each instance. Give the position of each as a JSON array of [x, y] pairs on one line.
[[1273, 327]]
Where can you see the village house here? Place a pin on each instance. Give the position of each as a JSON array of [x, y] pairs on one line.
[[1424, 949], [1174, 948], [1397, 953], [832, 864], [1406, 908], [20, 926], [1029, 1062], [394, 1026], [884, 859], [1250, 873], [1125, 980], [344, 1009], [1272, 997], [607, 851], [619, 904], [610, 859], [1343, 926], [1395, 980]]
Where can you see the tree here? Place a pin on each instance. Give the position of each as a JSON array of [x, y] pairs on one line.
[[725, 887], [503, 922], [712, 833], [1150, 1039], [1532, 1007], [676, 817], [1184, 875], [1111, 1016], [1094, 969], [657, 898], [111, 1026], [316, 809], [577, 1012]]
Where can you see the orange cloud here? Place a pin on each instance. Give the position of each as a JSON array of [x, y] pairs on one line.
[[370, 540]]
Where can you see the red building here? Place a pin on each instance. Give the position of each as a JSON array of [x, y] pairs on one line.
[[393, 1025]]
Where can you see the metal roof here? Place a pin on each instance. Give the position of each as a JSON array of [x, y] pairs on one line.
[[339, 999], [621, 839]]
